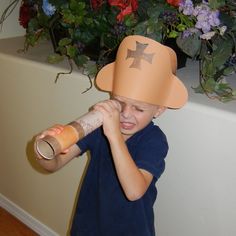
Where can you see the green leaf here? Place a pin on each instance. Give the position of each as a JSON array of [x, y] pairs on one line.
[[91, 69], [209, 85], [222, 87], [81, 60], [31, 39], [141, 28], [233, 25], [208, 68], [227, 98], [71, 51], [78, 7], [154, 12], [222, 52], [215, 4], [229, 70], [155, 29], [57, 3], [33, 25], [65, 41], [55, 58], [181, 27], [68, 17], [173, 34], [187, 21], [130, 20], [190, 45]]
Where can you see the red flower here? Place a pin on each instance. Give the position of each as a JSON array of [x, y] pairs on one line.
[[174, 3], [24, 16], [126, 7], [96, 3]]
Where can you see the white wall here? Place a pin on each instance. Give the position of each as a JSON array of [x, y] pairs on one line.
[[197, 194], [11, 26]]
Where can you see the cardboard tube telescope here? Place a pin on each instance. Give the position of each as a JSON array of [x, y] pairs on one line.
[[50, 146]]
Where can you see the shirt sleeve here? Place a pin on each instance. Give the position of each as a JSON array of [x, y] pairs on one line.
[[85, 144], [151, 152]]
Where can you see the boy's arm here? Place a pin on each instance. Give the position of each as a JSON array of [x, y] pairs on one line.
[[61, 159], [134, 181]]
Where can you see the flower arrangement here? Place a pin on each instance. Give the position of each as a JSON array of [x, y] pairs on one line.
[[91, 30]]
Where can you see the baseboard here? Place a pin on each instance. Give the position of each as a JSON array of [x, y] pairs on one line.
[[26, 218]]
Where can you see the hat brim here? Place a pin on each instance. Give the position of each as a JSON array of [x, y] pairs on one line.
[[104, 78], [177, 94]]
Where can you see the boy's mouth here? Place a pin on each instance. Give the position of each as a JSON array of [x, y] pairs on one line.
[[127, 125]]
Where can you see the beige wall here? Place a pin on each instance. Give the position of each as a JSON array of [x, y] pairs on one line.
[[30, 101], [11, 26]]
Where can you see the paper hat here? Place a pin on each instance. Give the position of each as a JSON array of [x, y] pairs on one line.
[[144, 70]]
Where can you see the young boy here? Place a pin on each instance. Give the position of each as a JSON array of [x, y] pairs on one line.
[[128, 151]]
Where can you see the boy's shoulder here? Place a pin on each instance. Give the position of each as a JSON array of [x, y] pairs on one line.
[[152, 133], [153, 129]]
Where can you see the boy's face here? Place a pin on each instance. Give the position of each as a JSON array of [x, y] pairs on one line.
[[135, 115]]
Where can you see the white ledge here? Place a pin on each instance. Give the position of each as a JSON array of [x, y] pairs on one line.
[[189, 75], [14, 48]]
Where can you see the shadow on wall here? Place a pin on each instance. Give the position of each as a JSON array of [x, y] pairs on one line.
[[36, 166]]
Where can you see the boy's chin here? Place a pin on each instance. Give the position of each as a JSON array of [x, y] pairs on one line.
[[127, 133]]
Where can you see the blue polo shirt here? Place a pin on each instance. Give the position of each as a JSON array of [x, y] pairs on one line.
[[103, 209]]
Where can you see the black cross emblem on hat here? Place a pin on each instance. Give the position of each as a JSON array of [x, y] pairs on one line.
[[138, 55]]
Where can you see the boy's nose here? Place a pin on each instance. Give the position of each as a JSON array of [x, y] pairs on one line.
[[125, 111]]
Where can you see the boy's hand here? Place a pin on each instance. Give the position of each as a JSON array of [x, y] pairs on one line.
[[52, 131], [110, 110], [56, 129]]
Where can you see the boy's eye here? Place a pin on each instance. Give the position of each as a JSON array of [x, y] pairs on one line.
[[122, 104], [139, 109]]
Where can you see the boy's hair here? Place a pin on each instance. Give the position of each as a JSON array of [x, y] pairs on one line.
[[144, 70]]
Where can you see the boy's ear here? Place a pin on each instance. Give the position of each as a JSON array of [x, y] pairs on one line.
[[160, 110]]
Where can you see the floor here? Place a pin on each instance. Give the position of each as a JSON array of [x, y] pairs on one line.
[[11, 226]]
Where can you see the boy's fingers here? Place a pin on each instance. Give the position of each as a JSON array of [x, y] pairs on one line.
[[56, 129], [108, 105], [65, 151], [116, 104]]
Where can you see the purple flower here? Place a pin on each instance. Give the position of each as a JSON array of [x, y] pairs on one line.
[[214, 18], [186, 34], [203, 23], [48, 8], [205, 17], [190, 31], [186, 7], [202, 9]]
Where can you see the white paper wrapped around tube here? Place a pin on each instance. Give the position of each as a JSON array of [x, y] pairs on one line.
[[50, 146]]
